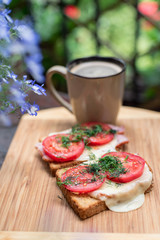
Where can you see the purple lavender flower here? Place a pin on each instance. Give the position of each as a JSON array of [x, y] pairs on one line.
[[36, 88], [5, 1], [6, 13], [4, 32], [4, 80], [14, 91], [12, 76], [35, 69], [39, 89], [27, 34], [31, 109], [27, 46], [16, 95]]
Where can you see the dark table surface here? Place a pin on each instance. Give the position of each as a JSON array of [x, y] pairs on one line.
[[7, 133]]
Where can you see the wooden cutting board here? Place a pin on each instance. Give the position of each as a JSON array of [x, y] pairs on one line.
[[29, 197]]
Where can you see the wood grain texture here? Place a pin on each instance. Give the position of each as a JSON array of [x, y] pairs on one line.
[[29, 196], [75, 236], [125, 112]]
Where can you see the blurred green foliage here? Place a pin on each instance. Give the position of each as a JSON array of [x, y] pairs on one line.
[[112, 33]]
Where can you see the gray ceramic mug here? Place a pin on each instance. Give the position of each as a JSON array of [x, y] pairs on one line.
[[95, 87]]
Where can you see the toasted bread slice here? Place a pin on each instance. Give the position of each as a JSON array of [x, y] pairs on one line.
[[84, 205]]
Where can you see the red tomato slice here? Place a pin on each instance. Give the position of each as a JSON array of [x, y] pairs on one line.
[[102, 137], [132, 163], [79, 179], [52, 146]]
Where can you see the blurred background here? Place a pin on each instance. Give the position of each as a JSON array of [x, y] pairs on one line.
[[77, 28]]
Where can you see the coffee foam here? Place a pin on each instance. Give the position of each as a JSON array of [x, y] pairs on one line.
[[95, 69]]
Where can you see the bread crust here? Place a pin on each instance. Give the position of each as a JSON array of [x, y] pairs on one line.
[[82, 204], [152, 183]]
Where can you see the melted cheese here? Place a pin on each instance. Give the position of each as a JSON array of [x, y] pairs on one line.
[[130, 205], [126, 196], [97, 151]]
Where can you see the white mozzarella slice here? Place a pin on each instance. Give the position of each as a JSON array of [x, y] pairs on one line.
[[97, 151], [126, 196]]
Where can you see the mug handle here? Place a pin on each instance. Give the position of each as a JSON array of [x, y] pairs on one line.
[[62, 71]]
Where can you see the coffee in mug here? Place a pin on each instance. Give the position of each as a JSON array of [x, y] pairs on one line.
[[96, 69], [95, 87]]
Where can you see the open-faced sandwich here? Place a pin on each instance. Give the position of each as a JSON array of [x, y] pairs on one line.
[[117, 181], [82, 143]]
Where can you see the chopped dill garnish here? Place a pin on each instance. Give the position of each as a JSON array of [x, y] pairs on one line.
[[94, 168], [59, 197], [125, 160], [92, 156], [97, 129], [65, 141], [111, 131], [118, 184], [109, 164], [88, 147], [112, 165], [76, 129], [68, 181], [83, 133], [108, 182]]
